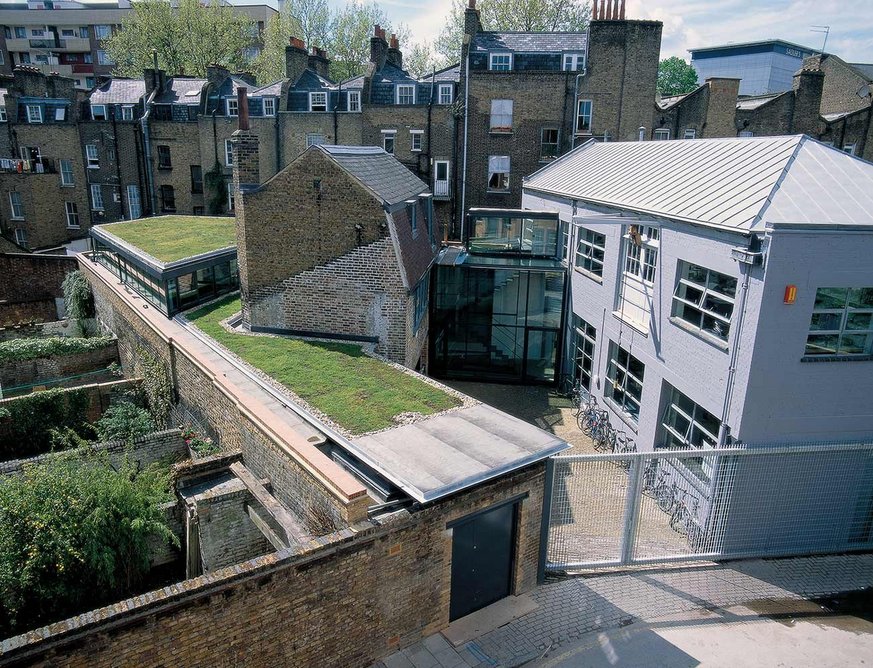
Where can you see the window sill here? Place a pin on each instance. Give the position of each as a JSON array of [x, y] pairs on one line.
[[93, 166], [495, 131], [499, 192], [712, 340], [18, 219], [812, 359], [74, 227], [68, 185], [618, 411], [415, 150], [588, 274], [633, 324], [164, 168]]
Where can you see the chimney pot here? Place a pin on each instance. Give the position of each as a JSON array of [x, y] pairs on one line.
[[472, 4]]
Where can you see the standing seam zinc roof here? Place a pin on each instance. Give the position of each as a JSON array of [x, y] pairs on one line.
[[378, 171], [738, 184]]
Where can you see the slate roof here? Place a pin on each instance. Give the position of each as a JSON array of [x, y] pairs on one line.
[[354, 83], [752, 103], [119, 91], [378, 171], [530, 42], [272, 89], [177, 89], [390, 74], [865, 69], [451, 73], [737, 183]]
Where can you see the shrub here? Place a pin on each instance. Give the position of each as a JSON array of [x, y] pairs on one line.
[[31, 419], [202, 446], [124, 421], [78, 297], [74, 534], [29, 349]]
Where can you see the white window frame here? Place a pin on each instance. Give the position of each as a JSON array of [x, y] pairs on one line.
[[34, 113], [3, 116], [95, 113], [60, 113], [72, 214], [584, 348], [845, 329], [102, 31], [392, 136], [231, 107], [495, 165], [92, 156], [269, 106], [587, 115], [403, 91], [501, 66], [501, 114], [661, 134], [103, 58], [353, 101], [127, 112], [849, 148], [445, 94], [446, 181], [416, 140], [20, 237], [134, 204], [641, 260], [313, 96], [573, 62], [412, 212], [228, 152], [67, 177], [231, 196], [16, 206], [690, 133], [622, 383], [590, 252], [96, 197], [543, 144], [691, 297]]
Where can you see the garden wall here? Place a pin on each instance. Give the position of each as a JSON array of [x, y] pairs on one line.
[[41, 330], [20, 375], [31, 286]]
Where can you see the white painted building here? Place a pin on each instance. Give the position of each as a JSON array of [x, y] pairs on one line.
[[720, 288]]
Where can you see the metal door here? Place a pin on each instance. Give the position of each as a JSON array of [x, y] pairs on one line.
[[482, 558]]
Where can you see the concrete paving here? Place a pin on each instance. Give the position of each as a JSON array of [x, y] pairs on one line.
[[690, 614]]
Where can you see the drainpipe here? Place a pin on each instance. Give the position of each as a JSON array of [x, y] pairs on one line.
[[121, 193], [464, 169], [147, 148], [335, 117], [429, 155], [277, 138]]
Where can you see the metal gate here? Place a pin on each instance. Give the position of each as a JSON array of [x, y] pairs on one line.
[[746, 501]]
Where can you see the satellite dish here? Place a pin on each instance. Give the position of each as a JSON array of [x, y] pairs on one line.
[[864, 91]]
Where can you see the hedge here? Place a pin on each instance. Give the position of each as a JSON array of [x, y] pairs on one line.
[[29, 349]]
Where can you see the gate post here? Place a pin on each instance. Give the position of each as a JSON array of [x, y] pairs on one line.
[[546, 519], [631, 508]]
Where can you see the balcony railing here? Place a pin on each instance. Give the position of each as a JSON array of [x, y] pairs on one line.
[[19, 166], [441, 188], [48, 44]]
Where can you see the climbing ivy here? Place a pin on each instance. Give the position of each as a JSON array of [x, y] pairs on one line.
[[217, 189], [157, 386], [79, 298], [28, 423]]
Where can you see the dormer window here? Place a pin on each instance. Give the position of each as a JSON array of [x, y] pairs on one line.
[[232, 106], [318, 102], [269, 106], [405, 94], [98, 112], [127, 112], [445, 94], [500, 62], [574, 62], [34, 113]]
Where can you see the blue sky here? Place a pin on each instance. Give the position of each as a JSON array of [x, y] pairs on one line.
[[697, 23]]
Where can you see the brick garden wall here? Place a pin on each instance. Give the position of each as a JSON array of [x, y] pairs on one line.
[[365, 592], [31, 285], [15, 373]]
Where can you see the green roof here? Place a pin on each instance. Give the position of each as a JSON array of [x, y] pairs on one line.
[[358, 392], [171, 238]]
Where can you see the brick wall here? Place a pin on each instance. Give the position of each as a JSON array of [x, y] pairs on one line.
[[839, 92], [30, 283], [184, 144], [119, 150], [347, 601], [16, 373]]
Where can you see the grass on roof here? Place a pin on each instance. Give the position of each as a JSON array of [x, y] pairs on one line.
[[360, 393], [171, 238]]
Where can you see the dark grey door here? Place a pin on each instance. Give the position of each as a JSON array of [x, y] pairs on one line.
[[482, 558]]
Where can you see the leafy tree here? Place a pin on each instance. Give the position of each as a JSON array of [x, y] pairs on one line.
[[524, 15], [313, 17], [349, 41], [124, 421], [74, 534], [187, 37], [421, 60], [676, 77], [269, 65]]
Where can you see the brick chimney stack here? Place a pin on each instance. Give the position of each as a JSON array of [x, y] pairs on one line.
[[296, 59], [244, 146], [319, 62], [472, 20], [395, 57], [608, 10], [378, 48]]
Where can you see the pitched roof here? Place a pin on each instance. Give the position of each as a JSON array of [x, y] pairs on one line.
[[866, 69], [738, 183], [353, 83], [119, 91], [270, 89], [378, 171], [757, 101], [450, 73], [530, 42], [182, 90], [391, 73]]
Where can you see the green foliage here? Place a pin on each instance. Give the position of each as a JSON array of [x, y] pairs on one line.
[[78, 298], [124, 421], [269, 65], [187, 37], [157, 387], [523, 15], [216, 189], [29, 349], [203, 446], [33, 418], [676, 77], [349, 44], [74, 534]]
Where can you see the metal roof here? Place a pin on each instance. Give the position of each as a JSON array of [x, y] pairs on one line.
[[762, 42], [530, 42], [119, 91], [446, 453], [740, 184], [758, 101], [378, 171]]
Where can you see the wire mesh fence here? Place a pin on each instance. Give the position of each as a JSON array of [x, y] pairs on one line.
[[746, 501]]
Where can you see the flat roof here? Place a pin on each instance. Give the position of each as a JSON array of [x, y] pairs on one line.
[[446, 453], [172, 238], [763, 44]]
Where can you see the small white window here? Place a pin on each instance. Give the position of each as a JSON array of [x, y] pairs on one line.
[[314, 139], [704, 299], [354, 100], [404, 94], [583, 117], [3, 115], [446, 94], [590, 251], [127, 112], [98, 112], [269, 106], [747, 133], [849, 148], [501, 115], [60, 113], [573, 62], [415, 136], [690, 133], [500, 62], [228, 152], [68, 33], [318, 102], [21, 237], [67, 172], [388, 141], [412, 209], [96, 198], [72, 215], [231, 106], [231, 199], [498, 172], [662, 134], [16, 205], [34, 113], [93, 156], [625, 387]]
